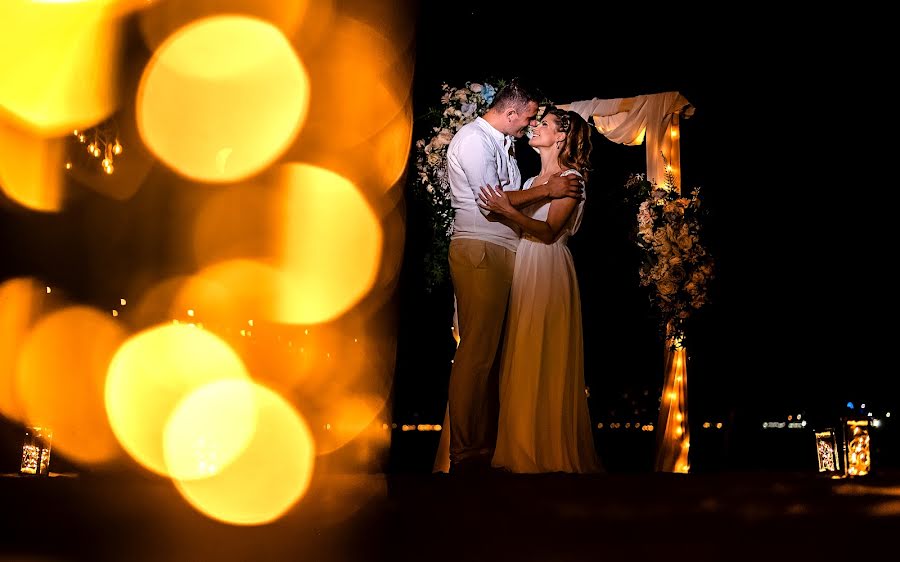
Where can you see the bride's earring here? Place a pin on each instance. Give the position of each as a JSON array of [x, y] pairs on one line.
[[559, 144]]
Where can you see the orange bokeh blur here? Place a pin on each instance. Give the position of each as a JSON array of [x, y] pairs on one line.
[[331, 244], [151, 373], [58, 62], [271, 474], [222, 98], [61, 374], [31, 167]]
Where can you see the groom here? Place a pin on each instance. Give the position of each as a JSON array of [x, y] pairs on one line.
[[482, 256]]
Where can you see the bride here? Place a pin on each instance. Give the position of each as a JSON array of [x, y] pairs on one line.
[[544, 423]]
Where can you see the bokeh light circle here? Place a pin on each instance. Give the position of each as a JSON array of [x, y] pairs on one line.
[[269, 477], [222, 98], [149, 376]]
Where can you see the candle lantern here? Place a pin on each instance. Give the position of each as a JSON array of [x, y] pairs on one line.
[[36, 451], [858, 459], [829, 453]]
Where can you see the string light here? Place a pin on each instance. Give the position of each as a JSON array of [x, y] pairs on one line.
[[103, 142]]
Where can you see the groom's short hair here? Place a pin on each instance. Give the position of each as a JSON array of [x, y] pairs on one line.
[[515, 95]]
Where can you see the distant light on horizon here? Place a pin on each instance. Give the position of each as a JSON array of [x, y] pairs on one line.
[[850, 405]]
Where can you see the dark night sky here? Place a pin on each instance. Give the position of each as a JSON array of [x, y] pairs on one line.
[[780, 143], [783, 144]]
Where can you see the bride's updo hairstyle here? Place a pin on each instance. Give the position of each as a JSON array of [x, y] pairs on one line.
[[577, 148]]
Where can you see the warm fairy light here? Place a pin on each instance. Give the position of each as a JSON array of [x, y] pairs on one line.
[[672, 396], [68, 165], [705, 425], [271, 473], [115, 313], [719, 425], [324, 281], [673, 133], [149, 377], [679, 417], [60, 64], [678, 431], [190, 312], [222, 98], [209, 429], [250, 323], [122, 302]]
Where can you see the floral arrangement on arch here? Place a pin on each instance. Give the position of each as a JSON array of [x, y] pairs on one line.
[[431, 185], [676, 266]]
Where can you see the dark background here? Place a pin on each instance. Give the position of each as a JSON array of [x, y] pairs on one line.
[[784, 147], [786, 143]]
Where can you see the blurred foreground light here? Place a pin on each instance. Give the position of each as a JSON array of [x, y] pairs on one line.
[[271, 474], [331, 246], [361, 83], [158, 23], [209, 429], [31, 170], [222, 98], [351, 415], [58, 62], [151, 374], [61, 374], [22, 302]]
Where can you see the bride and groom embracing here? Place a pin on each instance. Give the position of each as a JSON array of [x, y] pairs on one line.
[[518, 302]]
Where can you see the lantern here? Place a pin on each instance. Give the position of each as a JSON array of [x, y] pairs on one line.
[[36, 451]]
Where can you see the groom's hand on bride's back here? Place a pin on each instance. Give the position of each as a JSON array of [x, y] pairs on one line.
[[559, 186]]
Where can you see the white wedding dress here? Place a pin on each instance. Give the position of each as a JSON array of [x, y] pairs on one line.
[[544, 422]]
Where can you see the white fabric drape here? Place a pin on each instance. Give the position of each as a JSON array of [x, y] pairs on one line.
[[651, 119]]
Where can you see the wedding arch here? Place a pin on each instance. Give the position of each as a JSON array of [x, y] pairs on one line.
[[651, 120]]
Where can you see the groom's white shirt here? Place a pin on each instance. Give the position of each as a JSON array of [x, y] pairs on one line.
[[479, 155]]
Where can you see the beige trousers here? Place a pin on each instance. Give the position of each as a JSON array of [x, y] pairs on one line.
[[482, 275]]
